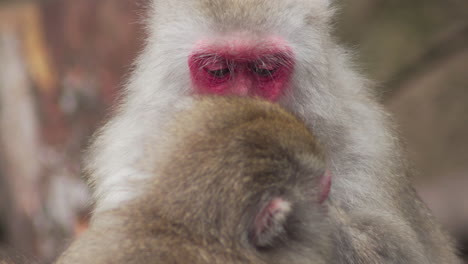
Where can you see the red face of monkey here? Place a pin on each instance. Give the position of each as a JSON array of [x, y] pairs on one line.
[[240, 67]]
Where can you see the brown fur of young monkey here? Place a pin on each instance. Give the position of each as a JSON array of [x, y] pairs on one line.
[[239, 180]]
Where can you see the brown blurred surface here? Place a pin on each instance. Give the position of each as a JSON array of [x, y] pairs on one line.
[[417, 52], [62, 63]]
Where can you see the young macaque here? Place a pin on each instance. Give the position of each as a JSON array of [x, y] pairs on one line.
[[238, 180], [282, 51]]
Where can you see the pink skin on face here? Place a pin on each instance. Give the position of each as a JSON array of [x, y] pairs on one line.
[[241, 67]]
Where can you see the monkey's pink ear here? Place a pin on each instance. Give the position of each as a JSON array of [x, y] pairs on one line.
[[270, 221], [325, 186]]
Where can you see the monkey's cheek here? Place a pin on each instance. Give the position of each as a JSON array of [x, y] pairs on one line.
[[205, 87], [271, 91], [273, 88]]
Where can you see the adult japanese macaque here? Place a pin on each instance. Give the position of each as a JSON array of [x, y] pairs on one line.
[[237, 181], [280, 50]]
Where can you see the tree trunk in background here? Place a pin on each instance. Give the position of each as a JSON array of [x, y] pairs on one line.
[[19, 137], [61, 66]]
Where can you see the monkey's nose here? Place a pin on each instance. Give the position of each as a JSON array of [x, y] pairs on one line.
[[242, 87]]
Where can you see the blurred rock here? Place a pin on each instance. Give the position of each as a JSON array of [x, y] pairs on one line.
[[432, 110]]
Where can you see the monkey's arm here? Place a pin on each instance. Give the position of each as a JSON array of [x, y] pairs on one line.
[[366, 236], [363, 237]]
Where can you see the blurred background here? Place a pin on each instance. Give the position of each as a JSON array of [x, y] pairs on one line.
[[62, 63]]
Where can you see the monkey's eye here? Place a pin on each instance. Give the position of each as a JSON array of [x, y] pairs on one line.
[[219, 73], [264, 71]]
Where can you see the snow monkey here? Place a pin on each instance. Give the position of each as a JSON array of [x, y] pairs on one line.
[[282, 51], [237, 180]]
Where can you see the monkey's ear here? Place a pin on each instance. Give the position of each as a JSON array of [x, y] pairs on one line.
[[269, 222], [325, 186]]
